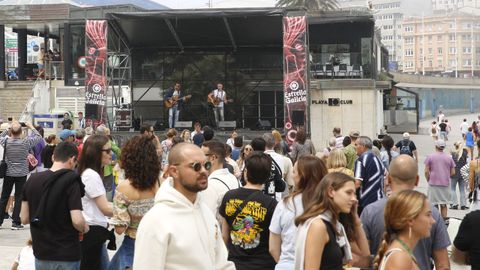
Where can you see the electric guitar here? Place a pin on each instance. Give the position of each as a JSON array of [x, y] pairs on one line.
[[169, 103], [215, 101]]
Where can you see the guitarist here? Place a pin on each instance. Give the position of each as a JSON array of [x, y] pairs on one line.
[[218, 98], [175, 98]]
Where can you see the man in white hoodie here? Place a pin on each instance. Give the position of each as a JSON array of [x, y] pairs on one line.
[[181, 232]]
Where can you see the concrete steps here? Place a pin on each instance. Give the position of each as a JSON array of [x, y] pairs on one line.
[[14, 97]]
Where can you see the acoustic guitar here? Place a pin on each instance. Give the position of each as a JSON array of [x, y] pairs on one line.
[[215, 101], [169, 103]]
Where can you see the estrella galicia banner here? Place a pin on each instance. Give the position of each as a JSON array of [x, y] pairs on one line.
[[96, 71], [295, 74]]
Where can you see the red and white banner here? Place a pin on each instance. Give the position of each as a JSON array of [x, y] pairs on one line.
[[96, 71], [295, 74]]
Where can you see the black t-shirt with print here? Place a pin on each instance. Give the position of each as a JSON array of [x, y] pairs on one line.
[[249, 233], [59, 240]]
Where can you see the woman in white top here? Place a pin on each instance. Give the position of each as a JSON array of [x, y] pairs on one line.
[[96, 153], [307, 173], [408, 218], [232, 138]]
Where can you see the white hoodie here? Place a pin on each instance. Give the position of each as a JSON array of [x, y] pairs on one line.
[[176, 234]]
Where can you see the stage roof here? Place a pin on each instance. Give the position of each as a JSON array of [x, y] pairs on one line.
[[212, 29]]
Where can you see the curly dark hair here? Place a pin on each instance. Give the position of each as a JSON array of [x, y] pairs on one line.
[[140, 162]]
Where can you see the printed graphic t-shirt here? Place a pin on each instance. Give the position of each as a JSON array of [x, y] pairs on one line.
[[249, 233]]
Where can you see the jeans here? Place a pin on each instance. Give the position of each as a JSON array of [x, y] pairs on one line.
[[56, 265], [8, 183], [443, 135], [461, 186], [219, 116], [174, 111], [124, 256], [94, 252]]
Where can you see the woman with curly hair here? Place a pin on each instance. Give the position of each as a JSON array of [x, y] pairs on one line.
[[185, 136], [408, 218], [135, 196]]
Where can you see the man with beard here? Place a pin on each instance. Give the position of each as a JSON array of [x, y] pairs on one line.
[[180, 231]]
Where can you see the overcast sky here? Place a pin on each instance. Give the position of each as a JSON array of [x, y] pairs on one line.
[[215, 3]]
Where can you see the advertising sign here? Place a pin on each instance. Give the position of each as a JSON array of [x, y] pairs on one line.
[[295, 74], [96, 71]]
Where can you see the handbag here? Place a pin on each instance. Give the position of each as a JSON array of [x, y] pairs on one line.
[[3, 163], [32, 162]]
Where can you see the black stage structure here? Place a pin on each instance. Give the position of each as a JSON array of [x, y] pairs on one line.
[[241, 48]]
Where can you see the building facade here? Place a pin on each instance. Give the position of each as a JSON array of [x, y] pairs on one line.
[[444, 44], [389, 15], [454, 4]]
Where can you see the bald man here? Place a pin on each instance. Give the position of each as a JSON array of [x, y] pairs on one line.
[[403, 175], [180, 231]]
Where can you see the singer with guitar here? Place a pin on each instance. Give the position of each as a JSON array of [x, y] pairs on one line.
[[173, 100], [218, 98]]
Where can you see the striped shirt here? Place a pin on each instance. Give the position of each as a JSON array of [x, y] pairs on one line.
[[369, 170], [17, 152]]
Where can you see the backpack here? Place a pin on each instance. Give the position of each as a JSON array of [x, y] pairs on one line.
[[434, 130], [405, 149]]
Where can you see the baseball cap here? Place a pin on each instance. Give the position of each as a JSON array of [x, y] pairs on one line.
[[354, 133], [440, 144], [406, 135], [64, 134]]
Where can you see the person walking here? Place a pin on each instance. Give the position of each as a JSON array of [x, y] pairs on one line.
[[464, 128], [439, 166], [408, 218], [308, 171], [460, 157], [321, 239], [135, 196], [246, 214], [165, 238], [17, 150], [403, 175], [406, 146], [52, 205], [470, 142], [387, 153], [96, 154], [349, 149]]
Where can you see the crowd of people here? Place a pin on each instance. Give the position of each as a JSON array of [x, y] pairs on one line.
[[189, 200]]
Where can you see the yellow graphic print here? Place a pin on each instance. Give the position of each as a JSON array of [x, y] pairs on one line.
[[245, 229]]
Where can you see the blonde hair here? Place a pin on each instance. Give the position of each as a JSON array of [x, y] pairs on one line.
[[276, 135], [336, 159], [182, 135], [458, 149], [401, 207]]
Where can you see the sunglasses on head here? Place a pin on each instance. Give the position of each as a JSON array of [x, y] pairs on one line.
[[197, 166]]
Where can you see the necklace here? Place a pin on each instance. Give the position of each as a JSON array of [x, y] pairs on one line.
[[407, 249]]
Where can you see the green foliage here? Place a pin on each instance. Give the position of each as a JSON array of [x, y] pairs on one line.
[[309, 5]]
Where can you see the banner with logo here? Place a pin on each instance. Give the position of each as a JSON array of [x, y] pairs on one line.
[[295, 74], [96, 71]]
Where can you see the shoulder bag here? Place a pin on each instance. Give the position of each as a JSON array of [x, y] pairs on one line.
[[3, 163]]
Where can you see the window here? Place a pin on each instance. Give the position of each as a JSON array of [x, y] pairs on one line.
[[452, 50], [440, 62], [439, 50], [408, 52], [409, 64], [408, 28], [409, 40], [430, 51], [467, 62], [467, 50], [467, 37], [477, 50], [439, 38], [451, 37], [430, 39], [452, 63]]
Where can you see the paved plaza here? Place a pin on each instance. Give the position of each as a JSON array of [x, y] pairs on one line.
[[12, 241]]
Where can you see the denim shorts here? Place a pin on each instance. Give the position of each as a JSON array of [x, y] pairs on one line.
[[56, 265]]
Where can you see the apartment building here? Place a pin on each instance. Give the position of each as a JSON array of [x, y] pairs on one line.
[[443, 44], [454, 4], [389, 15]]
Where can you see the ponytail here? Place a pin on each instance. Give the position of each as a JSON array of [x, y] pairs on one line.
[[382, 249]]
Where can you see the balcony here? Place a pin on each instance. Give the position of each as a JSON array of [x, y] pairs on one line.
[[345, 65]]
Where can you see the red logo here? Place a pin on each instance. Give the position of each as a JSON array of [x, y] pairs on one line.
[[91, 50]]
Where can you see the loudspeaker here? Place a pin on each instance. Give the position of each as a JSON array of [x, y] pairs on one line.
[[227, 125], [298, 117], [183, 124], [263, 124]]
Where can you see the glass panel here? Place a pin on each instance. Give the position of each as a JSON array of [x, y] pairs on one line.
[[77, 40]]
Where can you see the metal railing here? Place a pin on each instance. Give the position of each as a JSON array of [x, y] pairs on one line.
[[340, 65], [54, 70]]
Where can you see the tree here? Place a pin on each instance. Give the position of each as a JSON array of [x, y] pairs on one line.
[[310, 5]]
